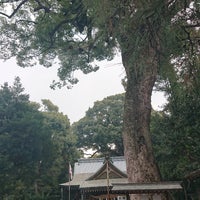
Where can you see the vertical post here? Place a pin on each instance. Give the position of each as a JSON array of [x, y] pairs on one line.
[[69, 179], [69, 190], [108, 183], [82, 196], [61, 193]]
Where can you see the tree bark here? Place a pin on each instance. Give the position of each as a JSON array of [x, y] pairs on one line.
[[141, 76]]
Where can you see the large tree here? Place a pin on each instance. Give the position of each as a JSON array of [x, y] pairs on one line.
[[148, 34], [101, 128], [35, 147], [102, 125], [182, 117]]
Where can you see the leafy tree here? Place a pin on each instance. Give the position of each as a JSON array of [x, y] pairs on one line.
[[33, 147], [105, 118], [49, 106], [59, 126], [101, 128], [148, 34], [180, 116], [18, 142], [63, 147]]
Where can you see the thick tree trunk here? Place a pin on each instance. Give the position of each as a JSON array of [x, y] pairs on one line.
[[138, 152]]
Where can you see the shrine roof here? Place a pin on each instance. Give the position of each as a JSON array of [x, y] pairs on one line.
[[146, 187], [92, 165]]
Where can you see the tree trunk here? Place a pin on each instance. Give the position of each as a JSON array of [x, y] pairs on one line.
[[141, 166]]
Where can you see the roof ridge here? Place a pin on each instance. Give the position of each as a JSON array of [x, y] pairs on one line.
[[86, 160]]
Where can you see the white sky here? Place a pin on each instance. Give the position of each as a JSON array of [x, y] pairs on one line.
[[76, 101]]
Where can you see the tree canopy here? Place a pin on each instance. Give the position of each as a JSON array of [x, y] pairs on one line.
[[105, 119], [154, 38], [78, 32], [181, 117], [35, 147], [101, 128]]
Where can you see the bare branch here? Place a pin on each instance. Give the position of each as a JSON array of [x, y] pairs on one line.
[[15, 10], [27, 21], [9, 1]]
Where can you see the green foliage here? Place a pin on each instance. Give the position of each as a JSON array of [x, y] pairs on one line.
[[64, 141], [35, 147], [49, 106], [78, 32], [101, 128], [176, 130], [53, 30], [154, 36]]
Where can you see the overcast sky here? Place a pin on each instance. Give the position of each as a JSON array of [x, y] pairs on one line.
[[76, 101]]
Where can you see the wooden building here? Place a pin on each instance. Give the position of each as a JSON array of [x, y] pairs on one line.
[[102, 179]]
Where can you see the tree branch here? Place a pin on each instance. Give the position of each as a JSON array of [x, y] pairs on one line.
[[15, 10], [197, 25]]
